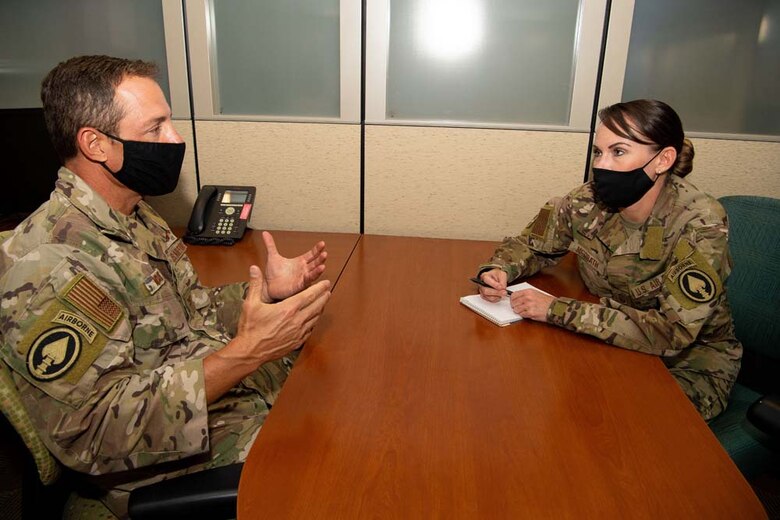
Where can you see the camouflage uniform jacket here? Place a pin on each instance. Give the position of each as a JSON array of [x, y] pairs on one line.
[[105, 327], [660, 285]]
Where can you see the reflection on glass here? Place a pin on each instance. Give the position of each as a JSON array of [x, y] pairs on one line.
[[492, 61], [715, 61], [449, 29]]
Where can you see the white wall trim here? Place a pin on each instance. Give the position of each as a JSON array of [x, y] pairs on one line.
[[590, 23], [620, 20], [200, 32], [377, 52], [176, 57]]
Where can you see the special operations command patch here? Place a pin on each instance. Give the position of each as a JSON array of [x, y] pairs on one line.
[[692, 281], [53, 353]]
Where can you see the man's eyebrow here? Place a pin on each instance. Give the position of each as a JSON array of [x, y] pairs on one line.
[[155, 121]]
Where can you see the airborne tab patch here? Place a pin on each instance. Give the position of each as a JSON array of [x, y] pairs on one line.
[[93, 301]]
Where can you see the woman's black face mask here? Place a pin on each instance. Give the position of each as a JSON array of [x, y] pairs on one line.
[[617, 189], [149, 168]]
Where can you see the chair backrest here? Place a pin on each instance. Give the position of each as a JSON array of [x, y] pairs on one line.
[[754, 286], [13, 409]]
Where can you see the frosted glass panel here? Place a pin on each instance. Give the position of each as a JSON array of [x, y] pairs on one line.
[[717, 62], [278, 57], [500, 61], [35, 35]]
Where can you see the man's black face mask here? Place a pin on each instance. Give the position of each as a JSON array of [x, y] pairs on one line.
[[149, 168]]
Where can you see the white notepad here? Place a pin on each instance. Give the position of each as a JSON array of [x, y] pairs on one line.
[[501, 312]]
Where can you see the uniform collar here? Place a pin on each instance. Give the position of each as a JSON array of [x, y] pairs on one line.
[[646, 241], [144, 227]]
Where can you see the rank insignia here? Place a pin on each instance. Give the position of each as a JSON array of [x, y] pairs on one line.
[[154, 281], [53, 353]]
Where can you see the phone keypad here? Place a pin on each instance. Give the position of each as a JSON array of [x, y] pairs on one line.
[[225, 226]]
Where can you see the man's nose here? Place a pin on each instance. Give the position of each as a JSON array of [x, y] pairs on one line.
[[172, 136]]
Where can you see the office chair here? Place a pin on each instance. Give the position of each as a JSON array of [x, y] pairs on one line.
[[749, 429]]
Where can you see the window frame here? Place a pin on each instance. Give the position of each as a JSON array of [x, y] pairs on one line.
[[590, 21], [203, 65]]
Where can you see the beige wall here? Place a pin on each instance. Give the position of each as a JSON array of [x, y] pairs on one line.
[[421, 181], [307, 175], [736, 167], [465, 183]]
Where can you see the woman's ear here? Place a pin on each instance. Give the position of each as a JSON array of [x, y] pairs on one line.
[[92, 144], [666, 159]]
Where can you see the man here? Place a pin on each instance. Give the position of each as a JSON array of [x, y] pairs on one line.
[[130, 370]]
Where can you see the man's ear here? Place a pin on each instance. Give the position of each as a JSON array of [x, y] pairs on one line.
[[667, 158], [92, 144]]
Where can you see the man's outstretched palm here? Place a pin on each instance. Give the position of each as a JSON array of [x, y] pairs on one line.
[[287, 276]]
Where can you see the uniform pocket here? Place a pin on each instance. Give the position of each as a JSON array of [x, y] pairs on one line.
[[160, 320]]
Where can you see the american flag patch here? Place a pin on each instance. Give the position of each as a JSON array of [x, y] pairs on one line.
[[176, 251], [93, 301]]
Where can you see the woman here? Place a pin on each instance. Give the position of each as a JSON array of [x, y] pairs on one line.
[[648, 243]]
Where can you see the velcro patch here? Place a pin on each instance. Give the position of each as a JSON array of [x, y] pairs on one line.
[[176, 251], [68, 318], [588, 257], [93, 301], [540, 223], [692, 281], [652, 246], [53, 353], [61, 344], [154, 281], [647, 287]]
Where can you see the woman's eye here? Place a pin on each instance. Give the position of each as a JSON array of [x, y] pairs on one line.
[[619, 152], [596, 153]]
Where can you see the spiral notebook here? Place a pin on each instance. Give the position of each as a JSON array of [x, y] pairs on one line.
[[501, 312]]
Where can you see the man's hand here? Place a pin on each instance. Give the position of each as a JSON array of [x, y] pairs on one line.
[[495, 278], [287, 276], [266, 331], [273, 330], [530, 303]]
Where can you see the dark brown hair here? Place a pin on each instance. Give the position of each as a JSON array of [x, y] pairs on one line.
[[79, 92], [652, 122]]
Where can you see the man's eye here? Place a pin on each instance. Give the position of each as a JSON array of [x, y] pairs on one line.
[[155, 130]]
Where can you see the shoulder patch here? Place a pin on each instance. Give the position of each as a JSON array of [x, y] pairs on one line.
[[696, 285], [692, 281], [89, 298], [61, 343], [540, 222], [53, 353]]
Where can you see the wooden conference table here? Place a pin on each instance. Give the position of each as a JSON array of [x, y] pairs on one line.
[[405, 404]]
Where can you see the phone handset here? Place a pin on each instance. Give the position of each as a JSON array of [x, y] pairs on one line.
[[198, 218], [220, 215]]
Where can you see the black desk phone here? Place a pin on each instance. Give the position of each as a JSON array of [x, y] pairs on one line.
[[220, 215]]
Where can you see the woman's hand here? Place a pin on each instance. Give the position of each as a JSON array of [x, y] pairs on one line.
[[530, 303], [496, 279]]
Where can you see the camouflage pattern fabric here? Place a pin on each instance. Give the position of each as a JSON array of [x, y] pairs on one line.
[[660, 284], [104, 326]]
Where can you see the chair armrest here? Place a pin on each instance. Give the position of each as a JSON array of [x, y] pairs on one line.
[[206, 494], [764, 414]]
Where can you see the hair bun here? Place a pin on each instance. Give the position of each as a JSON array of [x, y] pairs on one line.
[[684, 163]]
